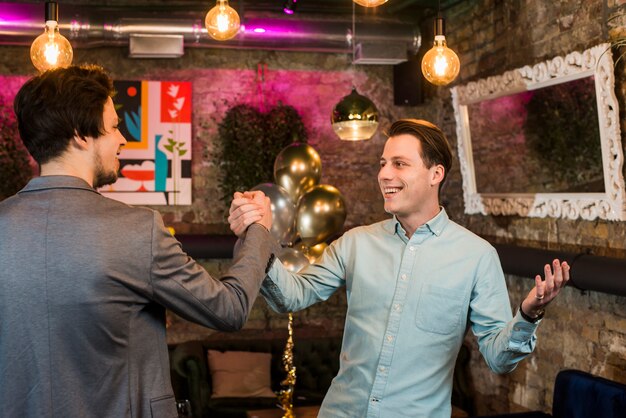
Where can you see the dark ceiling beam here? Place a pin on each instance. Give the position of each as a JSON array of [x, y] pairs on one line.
[[398, 6], [424, 9]]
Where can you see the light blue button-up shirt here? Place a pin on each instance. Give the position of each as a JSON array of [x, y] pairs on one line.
[[410, 302]]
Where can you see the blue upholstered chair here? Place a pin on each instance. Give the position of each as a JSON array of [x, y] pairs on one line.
[[578, 394]]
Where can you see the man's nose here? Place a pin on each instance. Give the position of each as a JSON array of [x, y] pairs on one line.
[[384, 172]]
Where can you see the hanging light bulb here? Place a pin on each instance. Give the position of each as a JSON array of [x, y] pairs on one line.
[[440, 64], [370, 3], [355, 117], [51, 49], [222, 21]]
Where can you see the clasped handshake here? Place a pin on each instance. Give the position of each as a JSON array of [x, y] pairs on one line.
[[248, 208]]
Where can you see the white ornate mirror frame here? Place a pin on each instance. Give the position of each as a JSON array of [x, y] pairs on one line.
[[610, 204]]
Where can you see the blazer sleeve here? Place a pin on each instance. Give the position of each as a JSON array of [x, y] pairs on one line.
[[180, 284]]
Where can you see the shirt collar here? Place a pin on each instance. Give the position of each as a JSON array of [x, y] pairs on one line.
[[56, 182], [435, 226]]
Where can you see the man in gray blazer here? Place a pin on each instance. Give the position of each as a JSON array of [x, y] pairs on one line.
[[85, 280]]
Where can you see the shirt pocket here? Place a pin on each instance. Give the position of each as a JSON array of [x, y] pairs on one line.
[[439, 309]]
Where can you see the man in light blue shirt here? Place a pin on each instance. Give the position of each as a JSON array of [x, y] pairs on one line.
[[414, 284]]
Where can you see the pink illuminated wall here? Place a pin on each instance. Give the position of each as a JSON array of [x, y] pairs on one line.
[[313, 93]]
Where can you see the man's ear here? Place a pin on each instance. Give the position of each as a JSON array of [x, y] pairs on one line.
[[438, 172], [80, 142]]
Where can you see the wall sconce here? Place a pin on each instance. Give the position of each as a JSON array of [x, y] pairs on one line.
[[370, 3], [355, 117], [222, 21], [290, 6], [51, 49], [440, 64]]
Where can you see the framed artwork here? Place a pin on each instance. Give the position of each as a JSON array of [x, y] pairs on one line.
[[155, 164]]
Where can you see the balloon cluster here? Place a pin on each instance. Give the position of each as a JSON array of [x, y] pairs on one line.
[[305, 213]]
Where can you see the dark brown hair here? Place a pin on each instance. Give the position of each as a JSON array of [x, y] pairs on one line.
[[435, 146], [56, 105]]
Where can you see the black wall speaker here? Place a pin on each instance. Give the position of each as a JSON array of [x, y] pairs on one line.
[[408, 83]]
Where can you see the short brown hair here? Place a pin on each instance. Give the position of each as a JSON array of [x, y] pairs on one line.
[[56, 105], [435, 146]]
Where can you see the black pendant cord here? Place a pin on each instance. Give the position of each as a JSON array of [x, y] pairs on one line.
[[353, 41]]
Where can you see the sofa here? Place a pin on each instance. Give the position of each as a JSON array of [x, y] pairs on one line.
[[579, 394], [315, 357]]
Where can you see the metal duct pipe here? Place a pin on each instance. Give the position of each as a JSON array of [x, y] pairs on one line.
[[91, 26]]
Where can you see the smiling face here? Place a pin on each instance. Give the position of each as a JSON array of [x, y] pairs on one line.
[[409, 187], [107, 148]]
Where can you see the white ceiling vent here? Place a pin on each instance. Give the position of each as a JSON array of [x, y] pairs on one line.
[[380, 54], [148, 45]]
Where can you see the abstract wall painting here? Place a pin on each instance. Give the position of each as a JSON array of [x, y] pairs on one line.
[[155, 164]]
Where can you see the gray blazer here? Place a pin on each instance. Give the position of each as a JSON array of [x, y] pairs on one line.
[[84, 283]]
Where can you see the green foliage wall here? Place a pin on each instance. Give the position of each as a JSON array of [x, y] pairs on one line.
[[248, 143]]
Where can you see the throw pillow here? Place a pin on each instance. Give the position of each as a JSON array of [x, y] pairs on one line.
[[240, 374]]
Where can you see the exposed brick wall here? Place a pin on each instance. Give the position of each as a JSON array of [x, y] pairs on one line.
[[586, 331], [582, 330]]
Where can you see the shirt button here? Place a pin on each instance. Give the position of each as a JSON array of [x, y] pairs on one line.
[[381, 368], [389, 338], [403, 277], [396, 307], [411, 248]]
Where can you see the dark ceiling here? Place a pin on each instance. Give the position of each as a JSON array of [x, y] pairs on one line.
[[407, 10], [413, 10], [317, 25]]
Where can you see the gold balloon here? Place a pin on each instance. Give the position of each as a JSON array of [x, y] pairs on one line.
[[313, 252], [321, 213], [297, 168]]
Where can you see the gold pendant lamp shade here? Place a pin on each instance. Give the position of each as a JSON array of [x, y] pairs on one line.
[[355, 117], [222, 21], [51, 49], [370, 3], [440, 64]]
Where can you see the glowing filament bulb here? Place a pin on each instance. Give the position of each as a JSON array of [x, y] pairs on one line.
[[52, 52], [440, 64], [222, 21], [51, 49]]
